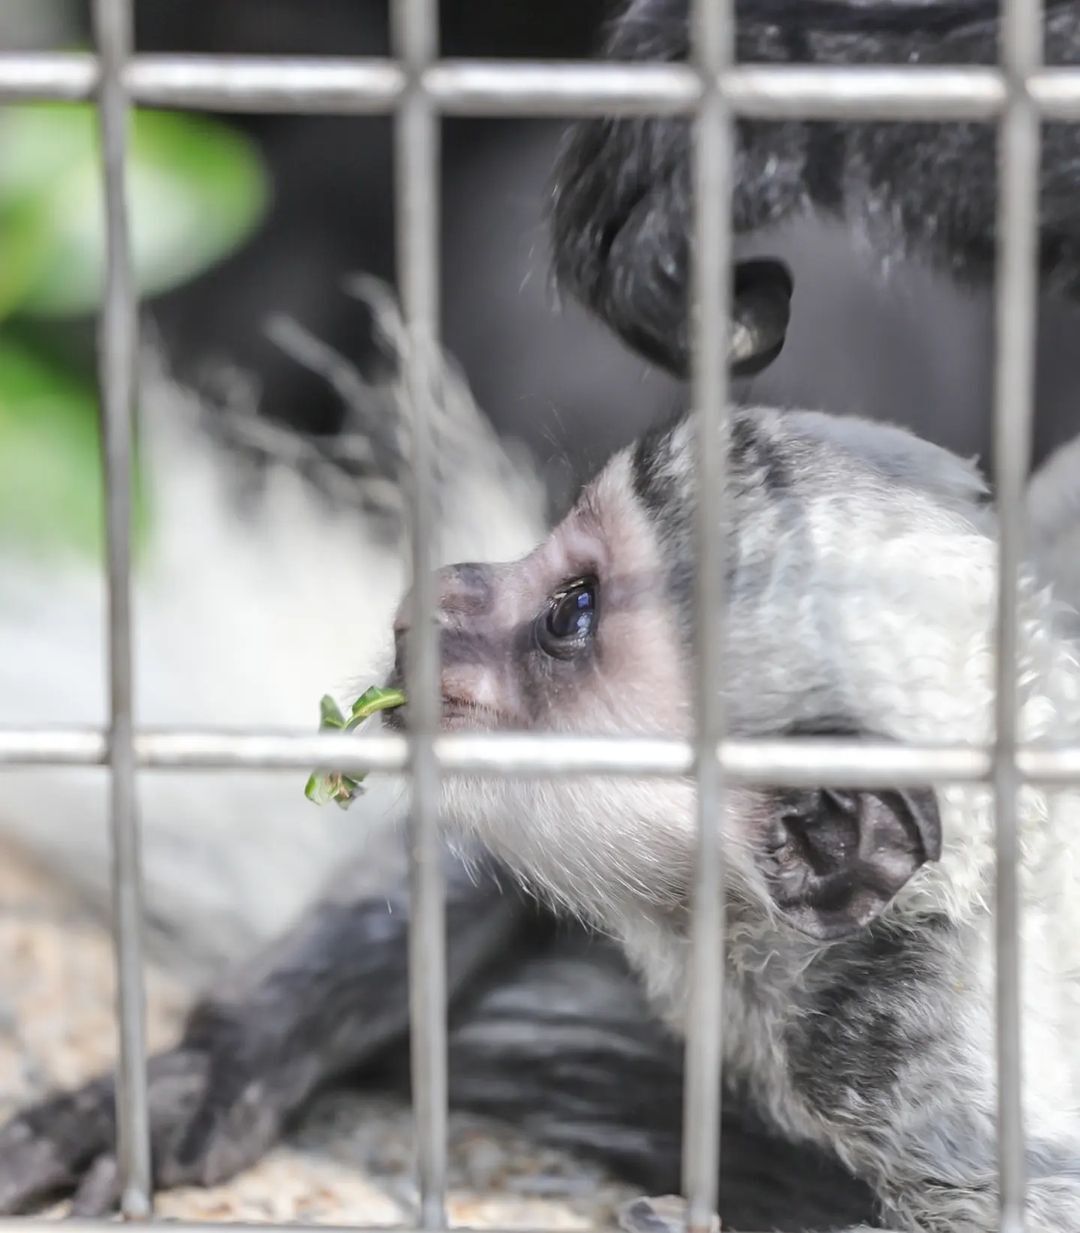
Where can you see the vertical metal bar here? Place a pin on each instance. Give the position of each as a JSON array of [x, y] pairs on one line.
[[117, 345], [417, 168], [1015, 319], [713, 45]]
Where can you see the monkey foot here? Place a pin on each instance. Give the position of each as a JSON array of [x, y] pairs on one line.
[[665, 1214]]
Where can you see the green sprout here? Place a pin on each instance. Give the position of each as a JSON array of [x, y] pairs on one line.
[[326, 786]]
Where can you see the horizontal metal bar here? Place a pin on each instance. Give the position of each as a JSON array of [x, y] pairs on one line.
[[257, 83], [214, 83], [63, 77], [75, 1225], [495, 88], [1056, 93], [26, 747], [338, 85], [856, 92], [780, 762]]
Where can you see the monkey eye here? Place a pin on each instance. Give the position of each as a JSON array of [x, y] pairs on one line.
[[569, 619]]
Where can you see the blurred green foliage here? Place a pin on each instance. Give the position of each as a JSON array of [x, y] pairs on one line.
[[50, 457], [196, 190]]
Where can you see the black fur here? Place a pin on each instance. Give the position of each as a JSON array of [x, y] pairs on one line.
[[851, 1039], [621, 212], [332, 993], [547, 1029]]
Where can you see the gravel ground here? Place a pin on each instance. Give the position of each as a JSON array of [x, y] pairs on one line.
[[348, 1162]]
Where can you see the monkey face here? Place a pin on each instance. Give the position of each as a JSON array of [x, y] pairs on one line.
[[858, 601], [579, 636]]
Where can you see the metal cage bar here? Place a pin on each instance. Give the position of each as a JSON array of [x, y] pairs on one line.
[[415, 31], [416, 87], [779, 763], [118, 344], [712, 49], [1015, 306], [341, 84]]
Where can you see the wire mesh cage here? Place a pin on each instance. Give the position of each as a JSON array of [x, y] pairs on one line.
[[418, 89]]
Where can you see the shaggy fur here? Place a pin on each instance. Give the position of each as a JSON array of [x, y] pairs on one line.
[[622, 196], [862, 600]]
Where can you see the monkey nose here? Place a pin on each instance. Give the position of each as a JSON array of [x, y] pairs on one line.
[[464, 589], [460, 590]]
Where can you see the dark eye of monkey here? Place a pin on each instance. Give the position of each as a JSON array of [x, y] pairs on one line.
[[568, 622]]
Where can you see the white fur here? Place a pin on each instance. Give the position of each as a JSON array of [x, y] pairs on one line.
[[242, 621]]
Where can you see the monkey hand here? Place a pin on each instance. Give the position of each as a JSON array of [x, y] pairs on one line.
[[205, 1124], [664, 1214]]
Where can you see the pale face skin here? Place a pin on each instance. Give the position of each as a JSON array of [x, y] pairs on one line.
[[579, 636], [586, 635]]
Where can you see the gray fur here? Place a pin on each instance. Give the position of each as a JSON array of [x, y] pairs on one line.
[[860, 599], [622, 197]]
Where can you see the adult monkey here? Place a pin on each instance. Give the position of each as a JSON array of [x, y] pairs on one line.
[[622, 198]]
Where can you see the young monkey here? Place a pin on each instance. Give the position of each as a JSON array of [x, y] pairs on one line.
[[859, 961]]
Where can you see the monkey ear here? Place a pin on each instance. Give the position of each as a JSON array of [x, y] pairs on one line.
[[760, 311], [835, 860]]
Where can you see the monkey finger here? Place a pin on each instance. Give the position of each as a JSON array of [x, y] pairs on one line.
[[44, 1149], [98, 1193], [665, 1214], [32, 1169], [227, 1132]]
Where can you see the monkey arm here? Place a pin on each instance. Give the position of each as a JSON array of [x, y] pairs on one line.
[[330, 996], [622, 209], [566, 1047]]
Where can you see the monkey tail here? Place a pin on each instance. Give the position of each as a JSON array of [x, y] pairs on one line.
[[259, 589]]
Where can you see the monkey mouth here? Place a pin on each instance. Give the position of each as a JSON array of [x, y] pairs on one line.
[[462, 714], [458, 714]]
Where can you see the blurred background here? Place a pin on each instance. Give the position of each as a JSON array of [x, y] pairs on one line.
[[240, 218]]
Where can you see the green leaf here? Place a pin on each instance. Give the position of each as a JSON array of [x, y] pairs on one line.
[[196, 189], [322, 788], [51, 493], [330, 715], [325, 786], [373, 700]]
